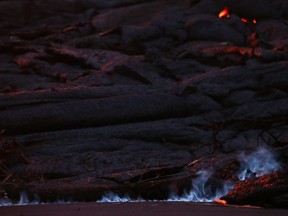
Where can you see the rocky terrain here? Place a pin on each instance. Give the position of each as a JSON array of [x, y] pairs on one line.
[[138, 97]]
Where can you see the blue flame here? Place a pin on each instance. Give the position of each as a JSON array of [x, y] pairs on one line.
[[256, 164]]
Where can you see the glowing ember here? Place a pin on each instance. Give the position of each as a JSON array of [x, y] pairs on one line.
[[224, 13], [220, 202], [244, 20]]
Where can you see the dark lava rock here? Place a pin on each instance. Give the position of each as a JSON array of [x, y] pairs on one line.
[[139, 97], [268, 190], [208, 27], [257, 8]]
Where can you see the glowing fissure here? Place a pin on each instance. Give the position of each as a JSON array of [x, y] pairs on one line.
[[226, 14], [256, 164]]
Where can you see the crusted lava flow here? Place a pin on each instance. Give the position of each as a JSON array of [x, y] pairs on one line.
[[151, 100]]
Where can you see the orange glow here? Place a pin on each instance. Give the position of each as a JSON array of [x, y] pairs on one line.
[[244, 20], [224, 13], [22, 62], [220, 202]]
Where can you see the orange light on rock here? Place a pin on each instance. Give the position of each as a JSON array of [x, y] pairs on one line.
[[224, 13], [244, 20], [220, 202]]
